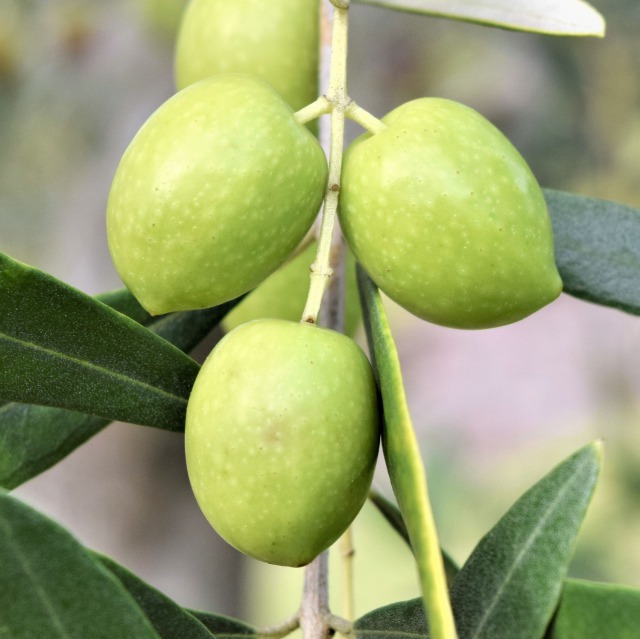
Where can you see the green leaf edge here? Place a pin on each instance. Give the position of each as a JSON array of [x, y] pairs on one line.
[[413, 610], [169, 393], [398, 440], [31, 512], [558, 202], [153, 603], [596, 29], [591, 454], [393, 516], [125, 303], [629, 626]]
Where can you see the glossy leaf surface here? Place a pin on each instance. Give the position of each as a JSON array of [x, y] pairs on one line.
[[569, 17], [403, 460], [597, 249], [596, 611], [33, 438], [52, 587], [168, 618], [510, 586], [60, 347]]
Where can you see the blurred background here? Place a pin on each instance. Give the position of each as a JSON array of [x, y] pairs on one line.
[[494, 410]]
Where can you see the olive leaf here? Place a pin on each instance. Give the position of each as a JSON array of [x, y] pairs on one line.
[[402, 620], [594, 611], [224, 627], [60, 347], [597, 249], [52, 587], [168, 618], [511, 583], [403, 460], [394, 517], [567, 18], [587, 610], [34, 438]]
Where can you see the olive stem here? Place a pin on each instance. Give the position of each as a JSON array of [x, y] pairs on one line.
[[321, 106], [282, 629], [348, 552], [343, 626], [365, 119], [337, 97], [314, 610]]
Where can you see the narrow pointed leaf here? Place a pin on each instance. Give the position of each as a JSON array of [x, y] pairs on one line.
[[510, 586], [568, 18], [60, 347], [224, 627], [394, 517], [403, 460], [596, 611], [403, 620], [587, 611], [50, 586], [597, 247], [34, 438], [168, 618]]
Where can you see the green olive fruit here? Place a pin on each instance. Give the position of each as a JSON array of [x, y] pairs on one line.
[[212, 195], [276, 40], [447, 218], [283, 294], [281, 438]]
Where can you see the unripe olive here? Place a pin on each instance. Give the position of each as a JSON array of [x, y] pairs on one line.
[[447, 218], [212, 195], [277, 40], [281, 438], [283, 294]]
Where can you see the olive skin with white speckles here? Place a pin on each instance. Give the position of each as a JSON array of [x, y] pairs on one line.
[[447, 218], [282, 438], [276, 41], [213, 193]]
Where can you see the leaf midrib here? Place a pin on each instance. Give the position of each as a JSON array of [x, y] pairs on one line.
[[42, 595], [530, 541], [90, 366], [539, 17]]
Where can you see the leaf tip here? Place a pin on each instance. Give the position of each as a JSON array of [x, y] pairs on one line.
[[598, 449]]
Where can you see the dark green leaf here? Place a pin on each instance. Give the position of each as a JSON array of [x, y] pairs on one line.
[[59, 347], [510, 586], [168, 618], [403, 620], [568, 18], [596, 611], [391, 513], [51, 587], [597, 246], [33, 438], [587, 611], [403, 460], [124, 302], [224, 627]]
